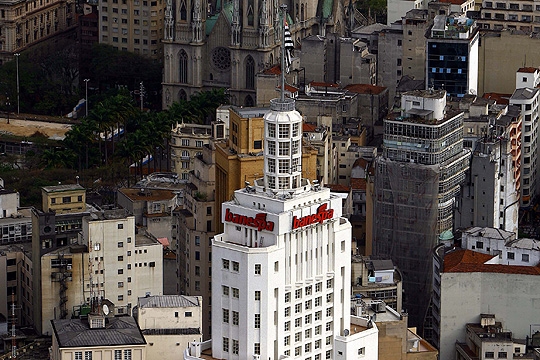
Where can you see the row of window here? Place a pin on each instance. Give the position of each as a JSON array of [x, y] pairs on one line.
[[308, 304], [78, 355], [308, 290], [511, 6], [226, 265], [137, 2], [491, 355], [66, 199], [235, 292], [283, 130], [236, 318]]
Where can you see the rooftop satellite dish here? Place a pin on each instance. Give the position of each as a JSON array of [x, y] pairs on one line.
[[105, 309], [346, 332]]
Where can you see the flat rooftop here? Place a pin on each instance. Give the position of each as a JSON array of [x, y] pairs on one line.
[[61, 188]]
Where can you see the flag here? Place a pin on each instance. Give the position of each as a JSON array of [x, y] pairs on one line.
[[289, 47]]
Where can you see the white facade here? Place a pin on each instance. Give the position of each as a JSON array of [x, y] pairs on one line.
[[9, 203], [281, 278], [511, 251], [169, 323], [512, 295], [123, 266], [422, 101], [526, 97], [362, 345]]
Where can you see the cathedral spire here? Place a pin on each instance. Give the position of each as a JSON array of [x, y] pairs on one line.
[[169, 21], [264, 25], [196, 24], [235, 36]]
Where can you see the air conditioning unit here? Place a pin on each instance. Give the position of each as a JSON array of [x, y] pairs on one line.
[[69, 267]]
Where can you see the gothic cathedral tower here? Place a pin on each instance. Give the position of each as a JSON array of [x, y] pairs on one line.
[[225, 43]]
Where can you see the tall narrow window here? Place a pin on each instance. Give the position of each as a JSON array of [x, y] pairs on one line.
[[183, 65], [183, 11], [250, 73], [250, 16], [182, 95]]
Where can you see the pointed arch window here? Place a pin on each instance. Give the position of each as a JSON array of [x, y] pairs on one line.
[[302, 12], [250, 73], [183, 11], [183, 66], [248, 101], [182, 95], [250, 14]]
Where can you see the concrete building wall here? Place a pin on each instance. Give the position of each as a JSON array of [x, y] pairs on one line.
[[64, 199], [313, 58], [514, 299], [49, 303], [362, 344], [390, 64], [398, 8], [164, 346], [170, 317], [519, 50], [126, 267], [415, 25], [9, 204], [134, 26]]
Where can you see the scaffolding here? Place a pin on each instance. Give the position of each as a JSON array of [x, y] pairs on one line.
[[406, 229]]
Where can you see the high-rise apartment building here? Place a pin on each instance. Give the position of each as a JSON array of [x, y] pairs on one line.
[[506, 14], [491, 191], [187, 141], [107, 261], [133, 25], [526, 98], [194, 226], [281, 279], [452, 55], [416, 181]]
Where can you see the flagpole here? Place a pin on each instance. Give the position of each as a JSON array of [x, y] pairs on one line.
[[283, 8]]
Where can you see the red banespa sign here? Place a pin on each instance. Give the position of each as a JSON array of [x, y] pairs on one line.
[[320, 216], [259, 221]]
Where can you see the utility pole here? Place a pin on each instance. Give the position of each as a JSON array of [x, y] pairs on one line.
[[142, 95], [18, 97], [8, 105], [86, 95]]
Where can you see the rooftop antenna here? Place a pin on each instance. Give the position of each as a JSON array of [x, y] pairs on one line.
[[283, 8]]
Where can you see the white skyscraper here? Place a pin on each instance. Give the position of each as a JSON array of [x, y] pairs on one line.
[[281, 273]]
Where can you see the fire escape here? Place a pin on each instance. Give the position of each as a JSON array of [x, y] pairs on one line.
[[62, 275]]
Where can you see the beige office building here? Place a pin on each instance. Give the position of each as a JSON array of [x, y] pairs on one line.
[[25, 23]]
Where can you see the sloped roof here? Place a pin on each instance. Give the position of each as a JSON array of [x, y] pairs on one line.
[[77, 333], [498, 97], [365, 89], [337, 187], [468, 261], [530, 70], [307, 127], [454, 2], [363, 163], [358, 184], [168, 301]]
